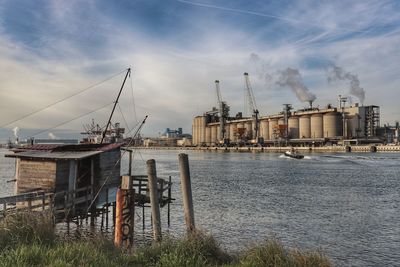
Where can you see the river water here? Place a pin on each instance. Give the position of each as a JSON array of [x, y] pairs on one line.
[[345, 204]]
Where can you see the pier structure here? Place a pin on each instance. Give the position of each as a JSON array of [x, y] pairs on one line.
[[78, 182]]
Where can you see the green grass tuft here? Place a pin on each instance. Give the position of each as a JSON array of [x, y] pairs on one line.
[[28, 239]]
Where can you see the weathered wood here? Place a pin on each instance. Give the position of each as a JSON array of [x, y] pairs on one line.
[[155, 207], [186, 191]]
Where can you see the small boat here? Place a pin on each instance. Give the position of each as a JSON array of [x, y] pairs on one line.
[[293, 154]]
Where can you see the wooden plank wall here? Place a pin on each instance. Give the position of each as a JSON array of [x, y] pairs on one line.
[[34, 174], [106, 168], [62, 175]]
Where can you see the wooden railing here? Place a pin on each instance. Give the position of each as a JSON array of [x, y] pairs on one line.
[[62, 204]]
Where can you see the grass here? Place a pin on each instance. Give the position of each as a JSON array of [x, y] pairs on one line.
[[28, 239]]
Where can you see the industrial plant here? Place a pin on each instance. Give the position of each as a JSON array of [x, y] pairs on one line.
[[344, 124]]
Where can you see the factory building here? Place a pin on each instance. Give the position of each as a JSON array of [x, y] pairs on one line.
[[310, 126]]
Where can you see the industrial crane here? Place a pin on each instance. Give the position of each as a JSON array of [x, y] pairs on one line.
[[253, 109], [223, 110]]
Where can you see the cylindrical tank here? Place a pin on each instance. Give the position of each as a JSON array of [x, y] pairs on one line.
[[240, 131], [194, 133], [281, 121], [293, 127], [232, 130], [218, 134], [305, 126], [202, 129], [208, 135], [332, 124], [213, 134], [249, 130], [317, 130], [273, 123], [265, 129]]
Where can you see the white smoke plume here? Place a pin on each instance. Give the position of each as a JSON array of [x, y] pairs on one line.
[[335, 73], [52, 136], [292, 78], [16, 131]]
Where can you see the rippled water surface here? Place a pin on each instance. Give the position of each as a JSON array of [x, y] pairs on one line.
[[345, 204]]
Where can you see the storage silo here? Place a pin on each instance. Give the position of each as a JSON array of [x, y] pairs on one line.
[[273, 123], [293, 127], [218, 133], [332, 124], [213, 134], [232, 130], [281, 121], [202, 131], [317, 129], [194, 133], [304, 126], [208, 135], [265, 129], [249, 130]]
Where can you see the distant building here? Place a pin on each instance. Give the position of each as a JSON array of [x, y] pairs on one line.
[[170, 138]]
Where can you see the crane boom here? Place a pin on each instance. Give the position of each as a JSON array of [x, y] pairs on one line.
[[252, 106]]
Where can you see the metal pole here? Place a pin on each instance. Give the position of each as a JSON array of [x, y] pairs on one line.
[[186, 191], [115, 104], [155, 207]]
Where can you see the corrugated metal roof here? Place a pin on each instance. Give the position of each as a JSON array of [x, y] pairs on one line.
[[59, 152], [66, 148], [67, 155]]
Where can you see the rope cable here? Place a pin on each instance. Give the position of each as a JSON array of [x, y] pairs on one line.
[[80, 116], [61, 100]]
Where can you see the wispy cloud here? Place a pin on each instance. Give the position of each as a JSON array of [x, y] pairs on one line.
[[178, 48]]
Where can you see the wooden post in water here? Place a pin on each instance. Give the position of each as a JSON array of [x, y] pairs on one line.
[[118, 218], [186, 191], [155, 207]]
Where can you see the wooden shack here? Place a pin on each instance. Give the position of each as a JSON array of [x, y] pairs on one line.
[[58, 168]]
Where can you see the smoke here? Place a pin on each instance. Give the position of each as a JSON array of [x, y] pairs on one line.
[[52, 136], [335, 73], [292, 78], [16, 131]]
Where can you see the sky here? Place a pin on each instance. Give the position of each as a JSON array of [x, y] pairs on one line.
[[51, 50]]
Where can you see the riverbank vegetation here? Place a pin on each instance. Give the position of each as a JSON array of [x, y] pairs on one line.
[[29, 240]]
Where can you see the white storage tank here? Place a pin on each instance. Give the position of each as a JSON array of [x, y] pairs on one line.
[[304, 126], [293, 127], [264, 126], [317, 130], [232, 130], [208, 135], [218, 134], [249, 130], [213, 134], [332, 124], [273, 123], [202, 131]]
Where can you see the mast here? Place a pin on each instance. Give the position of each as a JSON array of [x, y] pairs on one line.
[[128, 72]]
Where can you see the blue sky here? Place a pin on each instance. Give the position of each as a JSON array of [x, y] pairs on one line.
[[177, 48]]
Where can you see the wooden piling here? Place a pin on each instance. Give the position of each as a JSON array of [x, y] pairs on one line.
[[169, 202], [118, 218], [155, 207], [186, 191]]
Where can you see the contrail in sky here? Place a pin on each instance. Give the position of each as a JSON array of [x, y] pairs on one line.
[[265, 15]]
